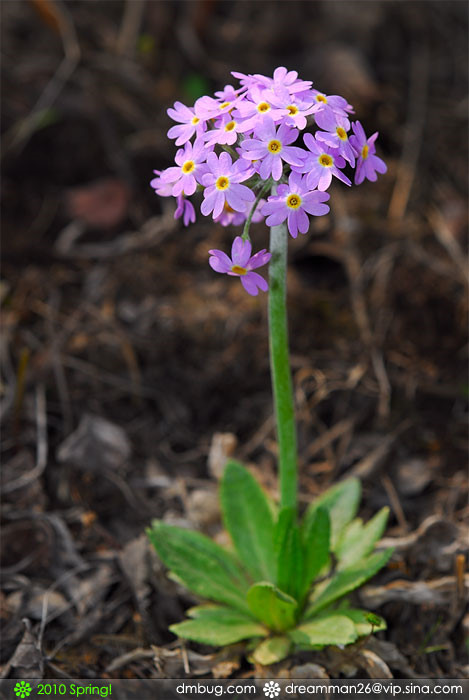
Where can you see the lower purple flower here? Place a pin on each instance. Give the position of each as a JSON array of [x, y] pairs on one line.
[[241, 264], [294, 202]]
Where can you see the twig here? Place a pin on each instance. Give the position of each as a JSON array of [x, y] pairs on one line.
[[41, 455], [443, 233], [329, 436], [395, 502], [185, 659], [21, 132], [130, 27], [369, 464], [353, 267], [152, 233], [129, 657], [417, 101]]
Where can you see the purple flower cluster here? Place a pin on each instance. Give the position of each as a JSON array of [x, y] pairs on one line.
[[246, 135]]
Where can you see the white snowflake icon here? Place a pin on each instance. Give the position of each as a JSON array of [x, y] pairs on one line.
[[272, 689]]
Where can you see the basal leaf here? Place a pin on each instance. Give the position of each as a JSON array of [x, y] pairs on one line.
[[288, 552], [219, 626], [271, 650], [347, 580], [199, 610], [331, 629], [342, 503], [200, 564], [363, 621], [358, 540], [272, 606], [248, 518], [316, 546]]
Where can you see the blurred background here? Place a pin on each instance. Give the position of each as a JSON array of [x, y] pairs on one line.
[[130, 369]]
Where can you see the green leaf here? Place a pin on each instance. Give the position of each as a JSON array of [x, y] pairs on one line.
[[342, 503], [365, 622], [271, 651], [358, 540], [272, 606], [199, 610], [331, 629], [248, 518], [217, 625], [288, 552], [200, 564], [347, 580], [316, 546]]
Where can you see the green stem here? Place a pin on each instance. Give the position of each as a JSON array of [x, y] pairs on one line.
[[280, 366]]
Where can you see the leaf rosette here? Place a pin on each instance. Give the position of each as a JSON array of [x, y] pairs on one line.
[[284, 586]]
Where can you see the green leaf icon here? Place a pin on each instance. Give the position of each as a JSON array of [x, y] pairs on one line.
[[22, 689]]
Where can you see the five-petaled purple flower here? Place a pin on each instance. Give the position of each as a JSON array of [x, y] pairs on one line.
[[191, 162], [321, 163], [271, 147], [241, 264], [190, 123], [294, 202], [222, 184], [338, 138], [368, 163]]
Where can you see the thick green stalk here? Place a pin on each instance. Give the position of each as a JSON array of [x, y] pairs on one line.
[[280, 366]]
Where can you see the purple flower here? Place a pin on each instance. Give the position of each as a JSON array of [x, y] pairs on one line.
[[368, 163], [225, 131], [282, 78], [190, 160], [221, 182], [208, 108], [293, 202], [163, 189], [249, 81], [186, 210], [258, 105], [190, 123], [230, 217], [228, 93], [289, 79], [271, 148], [321, 164], [331, 107], [296, 110], [241, 265], [338, 139]]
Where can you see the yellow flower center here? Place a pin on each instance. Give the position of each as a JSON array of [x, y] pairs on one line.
[[195, 120], [224, 104], [263, 107], [292, 109], [237, 269], [274, 146], [230, 126], [227, 208], [326, 161], [188, 167], [341, 133], [365, 150], [321, 98], [293, 201], [222, 183]]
